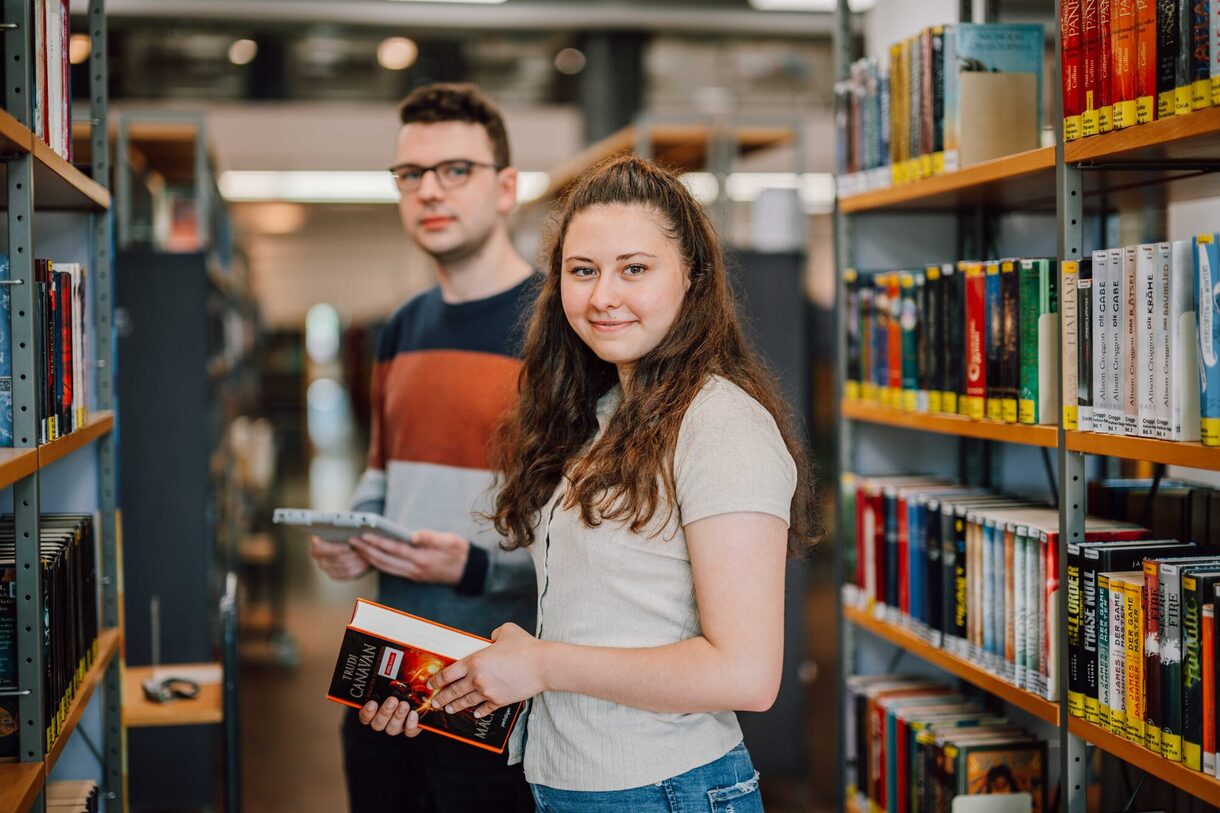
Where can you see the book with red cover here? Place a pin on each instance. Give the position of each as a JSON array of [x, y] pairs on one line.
[[388, 653], [1105, 61], [1145, 60], [1071, 35], [1090, 69], [1123, 64], [976, 331]]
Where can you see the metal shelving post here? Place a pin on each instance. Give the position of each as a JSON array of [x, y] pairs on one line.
[[31, 667]]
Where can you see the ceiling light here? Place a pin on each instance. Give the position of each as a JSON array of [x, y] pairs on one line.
[[809, 5], [242, 52], [570, 61], [480, 2], [78, 48], [397, 53], [322, 186]]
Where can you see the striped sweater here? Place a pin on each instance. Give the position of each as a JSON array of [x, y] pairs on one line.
[[444, 374]]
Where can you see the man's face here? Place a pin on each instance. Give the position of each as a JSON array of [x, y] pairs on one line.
[[455, 223]]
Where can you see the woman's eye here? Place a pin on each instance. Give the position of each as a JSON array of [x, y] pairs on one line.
[[582, 271], [635, 269]]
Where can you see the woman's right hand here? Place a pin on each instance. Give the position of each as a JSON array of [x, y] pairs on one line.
[[394, 717], [339, 560]]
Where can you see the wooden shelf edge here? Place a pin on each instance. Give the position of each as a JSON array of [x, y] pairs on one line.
[[1196, 783], [1191, 455], [13, 134], [100, 423], [107, 648], [1025, 434], [20, 784], [964, 669], [15, 464], [976, 175], [1143, 136], [85, 186]]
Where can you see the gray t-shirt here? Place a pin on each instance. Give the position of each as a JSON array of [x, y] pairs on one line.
[[607, 586]]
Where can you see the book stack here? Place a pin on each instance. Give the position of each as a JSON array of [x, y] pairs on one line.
[[69, 584], [900, 118], [60, 334], [1142, 341], [970, 338], [914, 744], [1128, 62], [52, 113], [72, 797]]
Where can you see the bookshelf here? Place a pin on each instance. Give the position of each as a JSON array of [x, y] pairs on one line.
[[78, 472], [1145, 166], [206, 709]]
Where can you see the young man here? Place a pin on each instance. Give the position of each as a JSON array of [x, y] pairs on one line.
[[446, 369]]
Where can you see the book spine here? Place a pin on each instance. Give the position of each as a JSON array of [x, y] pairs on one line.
[[938, 99], [1103, 652], [1084, 353], [1169, 589], [1167, 44], [1118, 658], [1010, 341], [1115, 323], [953, 352], [1088, 638], [908, 325], [1148, 309], [935, 337], [1105, 64], [1091, 55], [1207, 281], [1069, 271], [976, 348], [1122, 26], [1071, 35], [1145, 61], [1133, 607], [1184, 346], [897, 94], [1192, 671], [1152, 659], [851, 295], [1048, 341], [1017, 650], [1129, 376], [1050, 544], [881, 338], [1075, 632], [866, 291], [1163, 360], [1101, 341], [922, 362], [1028, 397], [894, 340], [1184, 92], [1013, 613], [1200, 56], [994, 339], [1209, 689], [1213, 52], [926, 136], [915, 80]]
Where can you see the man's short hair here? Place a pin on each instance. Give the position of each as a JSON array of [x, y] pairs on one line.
[[457, 101]]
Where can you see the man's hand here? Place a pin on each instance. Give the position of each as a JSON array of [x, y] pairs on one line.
[[436, 557], [339, 560], [394, 717]]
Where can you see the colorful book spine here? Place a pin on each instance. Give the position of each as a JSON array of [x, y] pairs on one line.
[[1207, 300], [1123, 47], [994, 340], [893, 380], [1105, 64], [1128, 378], [1167, 44], [1213, 51], [1069, 271], [938, 99], [1145, 61], [976, 333], [1083, 354], [934, 336], [953, 351], [1209, 689], [1071, 35], [1010, 341], [908, 324], [1103, 652], [1089, 69], [1038, 335], [1184, 92], [1103, 347], [851, 296], [1152, 659], [1200, 56], [1118, 656], [1148, 310], [1134, 615]]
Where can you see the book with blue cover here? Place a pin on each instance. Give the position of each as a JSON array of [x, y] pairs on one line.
[[1207, 297]]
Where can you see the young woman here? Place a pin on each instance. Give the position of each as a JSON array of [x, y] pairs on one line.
[[653, 473]]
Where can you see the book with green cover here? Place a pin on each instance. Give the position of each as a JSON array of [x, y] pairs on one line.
[[1039, 341]]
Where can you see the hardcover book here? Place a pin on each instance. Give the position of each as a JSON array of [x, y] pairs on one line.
[[1073, 355], [1072, 37], [1122, 31], [1145, 61], [1084, 346], [1167, 45], [387, 653], [1207, 299]]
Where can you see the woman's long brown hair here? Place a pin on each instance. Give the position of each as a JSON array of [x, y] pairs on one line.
[[549, 431]]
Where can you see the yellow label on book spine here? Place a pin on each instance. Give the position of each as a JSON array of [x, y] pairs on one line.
[[975, 407], [938, 161], [1008, 410], [1152, 738], [1118, 721], [1124, 114], [1103, 712], [949, 402], [995, 409], [868, 390], [1145, 109], [1192, 756], [1215, 84], [1201, 94], [1106, 117], [1070, 414], [1025, 410], [1181, 100], [909, 400], [1092, 711], [934, 400], [1090, 122], [1171, 746], [1211, 432], [1073, 127], [853, 390], [1076, 704], [1166, 104]]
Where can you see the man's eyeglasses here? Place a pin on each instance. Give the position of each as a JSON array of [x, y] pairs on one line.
[[449, 174]]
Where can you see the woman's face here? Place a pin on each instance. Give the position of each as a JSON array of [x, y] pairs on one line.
[[622, 282]]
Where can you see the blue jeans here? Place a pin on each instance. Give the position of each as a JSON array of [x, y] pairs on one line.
[[725, 785]]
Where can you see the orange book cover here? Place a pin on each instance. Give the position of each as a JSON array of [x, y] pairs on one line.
[[1123, 62], [388, 653], [1090, 69], [1145, 61]]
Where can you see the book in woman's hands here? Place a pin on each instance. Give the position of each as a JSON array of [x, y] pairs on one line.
[[388, 653]]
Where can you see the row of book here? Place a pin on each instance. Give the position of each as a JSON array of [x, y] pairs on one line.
[[969, 570], [901, 117], [60, 320], [913, 745], [973, 338], [1127, 62], [1141, 644], [73, 796], [69, 583], [1142, 341]]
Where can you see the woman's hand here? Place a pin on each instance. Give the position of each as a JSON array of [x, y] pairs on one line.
[[511, 669], [394, 717]]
